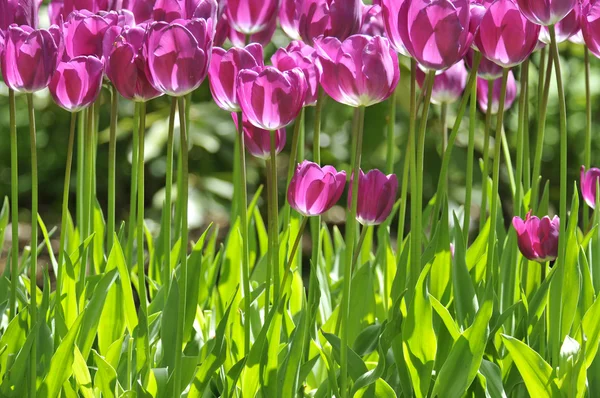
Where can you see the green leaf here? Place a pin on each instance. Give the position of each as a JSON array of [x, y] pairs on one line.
[[493, 379], [106, 377], [465, 299], [356, 366], [82, 375], [591, 328]]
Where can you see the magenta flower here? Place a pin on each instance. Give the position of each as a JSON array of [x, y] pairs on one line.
[[313, 189], [505, 36], [565, 28], [20, 12], [590, 27], [300, 55], [141, 9], [30, 57], [63, 8], [224, 69], [170, 10], [546, 12], [127, 65], [84, 33], [361, 71], [271, 99], [289, 18], [372, 21], [76, 83], [329, 18], [487, 70], [449, 85], [537, 239], [179, 54], [589, 182], [251, 16], [390, 10], [258, 141], [376, 197], [263, 37], [482, 93]]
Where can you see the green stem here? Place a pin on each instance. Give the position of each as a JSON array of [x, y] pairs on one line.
[[140, 212], [518, 206], [81, 173], [444, 124], [470, 160], [361, 240], [167, 266], [350, 241], [486, 156], [509, 163], [292, 165], [87, 201], [391, 145], [14, 193], [269, 269], [315, 222], [288, 269], [112, 156], [274, 214], [133, 184], [588, 128]]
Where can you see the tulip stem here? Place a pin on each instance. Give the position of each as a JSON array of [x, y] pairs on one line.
[[486, 156], [496, 176], [292, 165], [518, 205], [390, 134], [167, 213], [14, 193], [350, 241], [112, 155], [588, 129], [133, 184], [315, 222], [470, 160], [288, 270], [509, 164], [274, 215], [361, 240], [444, 125], [87, 197]]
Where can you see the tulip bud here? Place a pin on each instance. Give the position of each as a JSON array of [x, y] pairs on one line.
[[313, 189], [589, 182], [546, 12], [76, 83], [449, 85], [487, 70], [84, 33], [258, 141], [300, 55], [372, 21], [141, 9], [361, 71], [170, 10], [482, 93], [537, 239], [329, 18], [251, 16], [376, 196], [19, 12], [58, 9]]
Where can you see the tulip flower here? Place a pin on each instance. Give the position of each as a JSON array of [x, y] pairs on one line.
[[289, 18], [589, 182], [250, 16], [506, 47], [30, 57], [179, 54], [263, 37], [372, 21], [376, 196], [141, 9], [565, 28], [64, 8], [19, 12], [300, 55], [361, 71], [482, 93], [590, 27], [329, 18], [546, 12], [313, 189], [84, 33], [170, 10], [258, 141], [76, 83], [224, 69], [487, 70], [537, 239], [269, 98], [449, 85]]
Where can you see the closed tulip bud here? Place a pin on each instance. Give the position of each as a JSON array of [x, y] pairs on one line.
[[546, 12], [29, 57], [271, 99], [589, 183], [263, 37], [449, 85], [76, 83], [537, 239], [224, 69], [372, 21], [141, 9], [289, 18], [170, 10], [482, 93], [251, 16], [58, 9], [179, 54], [329, 18], [19, 12], [376, 197], [487, 70], [361, 71], [506, 47], [258, 141], [313, 189], [300, 55], [84, 33], [565, 28]]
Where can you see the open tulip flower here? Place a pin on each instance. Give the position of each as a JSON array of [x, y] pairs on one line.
[[546, 12], [360, 71], [449, 85], [251, 16], [565, 28], [376, 196], [482, 93], [271, 99], [84, 32], [19, 12], [76, 83], [537, 238], [589, 183], [258, 141], [329, 18], [314, 189], [300, 55], [590, 27]]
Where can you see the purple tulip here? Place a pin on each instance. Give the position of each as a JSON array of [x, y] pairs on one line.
[[449, 85], [258, 141], [482, 93], [546, 12], [170, 10], [300, 55], [361, 71], [506, 46], [269, 98], [141, 9], [372, 21], [224, 69], [565, 28], [590, 27], [487, 70], [76, 83], [390, 10], [329, 18], [63, 8], [251, 16], [289, 18], [313, 189], [263, 37], [589, 182], [84, 33], [20, 12], [537, 239], [376, 197], [179, 54], [29, 57]]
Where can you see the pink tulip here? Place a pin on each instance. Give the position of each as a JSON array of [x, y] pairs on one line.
[[590, 27], [20, 12], [313, 189], [251, 16], [449, 85], [289, 18], [589, 182], [63, 8], [546, 12], [269, 98], [141, 9], [537, 239], [84, 33], [30, 57], [258, 141], [565, 28], [300, 55], [335, 18], [505, 36], [263, 37], [170, 10], [76, 83], [179, 54], [361, 71], [390, 10], [224, 69], [482, 93], [127, 65], [376, 196], [487, 70], [372, 21]]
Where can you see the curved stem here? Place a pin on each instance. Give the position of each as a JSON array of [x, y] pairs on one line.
[[112, 154], [391, 145], [588, 128], [470, 160], [133, 184], [486, 156], [518, 207], [509, 164], [167, 266], [14, 206]]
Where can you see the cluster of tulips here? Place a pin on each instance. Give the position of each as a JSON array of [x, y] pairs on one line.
[[458, 49]]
